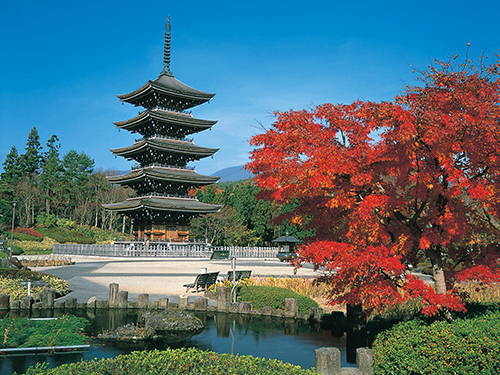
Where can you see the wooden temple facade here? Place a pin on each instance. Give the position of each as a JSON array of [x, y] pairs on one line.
[[162, 208]]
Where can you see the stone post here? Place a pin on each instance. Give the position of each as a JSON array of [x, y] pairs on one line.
[[143, 301], [224, 299], [245, 308], [200, 304], [70, 303], [364, 360], [15, 305], [316, 313], [163, 303], [48, 296], [267, 311], [4, 302], [291, 307], [327, 361], [183, 302], [26, 303], [122, 300], [113, 295]]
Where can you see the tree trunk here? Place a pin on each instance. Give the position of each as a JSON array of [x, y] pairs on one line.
[[437, 269]]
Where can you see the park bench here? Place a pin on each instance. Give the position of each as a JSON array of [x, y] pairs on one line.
[[203, 281], [239, 275]]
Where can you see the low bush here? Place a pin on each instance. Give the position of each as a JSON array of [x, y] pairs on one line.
[[102, 236], [25, 237], [10, 278], [17, 250], [25, 333], [35, 247], [274, 297], [464, 346], [29, 232], [305, 286], [66, 235], [173, 362]]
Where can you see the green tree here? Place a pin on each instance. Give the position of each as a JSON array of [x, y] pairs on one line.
[[32, 158], [77, 168], [51, 173], [12, 168]]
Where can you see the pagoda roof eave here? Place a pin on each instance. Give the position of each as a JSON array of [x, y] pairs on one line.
[[167, 86], [164, 174], [165, 145], [173, 118], [168, 204]]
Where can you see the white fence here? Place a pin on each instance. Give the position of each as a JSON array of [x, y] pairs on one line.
[[162, 249]]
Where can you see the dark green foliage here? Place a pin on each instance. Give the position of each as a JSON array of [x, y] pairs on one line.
[[173, 362], [25, 333], [17, 250], [44, 220], [32, 158], [274, 297], [465, 346], [12, 170], [25, 237], [64, 235]]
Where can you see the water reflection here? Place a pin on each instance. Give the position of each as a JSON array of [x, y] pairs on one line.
[[288, 340]]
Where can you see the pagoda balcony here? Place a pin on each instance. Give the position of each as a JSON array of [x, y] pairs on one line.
[[172, 110], [158, 136], [137, 167], [157, 194]]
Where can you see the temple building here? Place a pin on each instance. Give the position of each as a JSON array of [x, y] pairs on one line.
[[161, 177]]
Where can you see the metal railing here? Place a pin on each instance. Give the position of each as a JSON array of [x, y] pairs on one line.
[[135, 249]]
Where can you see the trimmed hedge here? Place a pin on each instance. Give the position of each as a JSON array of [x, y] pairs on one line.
[[64, 235], [464, 346], [25, 333], [173, 362], [274, 297], [26, 237]]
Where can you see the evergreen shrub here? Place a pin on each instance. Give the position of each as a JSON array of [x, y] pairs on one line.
[[464, 346], [274, 297], [25, 237], [173, 362], [17, 250], [26, 333], [66, 235]]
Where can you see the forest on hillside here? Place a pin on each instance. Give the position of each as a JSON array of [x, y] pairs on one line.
[[52, 189]]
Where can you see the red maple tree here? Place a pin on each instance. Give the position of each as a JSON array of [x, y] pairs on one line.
[[387, 185]]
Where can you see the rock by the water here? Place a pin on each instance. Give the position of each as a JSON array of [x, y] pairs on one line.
[[172, 320], [170, 326], [128, 332]]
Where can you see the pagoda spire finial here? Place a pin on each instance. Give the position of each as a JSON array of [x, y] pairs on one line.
[[166, 50]]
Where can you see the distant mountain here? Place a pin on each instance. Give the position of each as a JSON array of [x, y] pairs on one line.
[[233, 174]]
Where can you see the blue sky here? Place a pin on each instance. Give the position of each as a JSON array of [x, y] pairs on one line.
[[63, 62]]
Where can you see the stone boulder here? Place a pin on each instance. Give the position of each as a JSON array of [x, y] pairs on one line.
[[172, 320], [128, 332]]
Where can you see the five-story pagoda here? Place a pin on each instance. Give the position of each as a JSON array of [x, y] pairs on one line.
[[161, 177]]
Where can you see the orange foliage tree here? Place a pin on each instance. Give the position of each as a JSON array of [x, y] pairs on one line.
[[387, 185]]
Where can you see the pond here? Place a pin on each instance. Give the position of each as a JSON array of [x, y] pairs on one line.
[[288, 340]]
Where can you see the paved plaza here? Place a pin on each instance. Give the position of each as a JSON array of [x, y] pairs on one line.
[[158, 277]]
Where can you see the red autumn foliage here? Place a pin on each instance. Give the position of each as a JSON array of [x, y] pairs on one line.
[[387, 185], [29, 231]]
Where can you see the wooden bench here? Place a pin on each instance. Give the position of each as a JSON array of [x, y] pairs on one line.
[[240, 275], [203, 281]]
